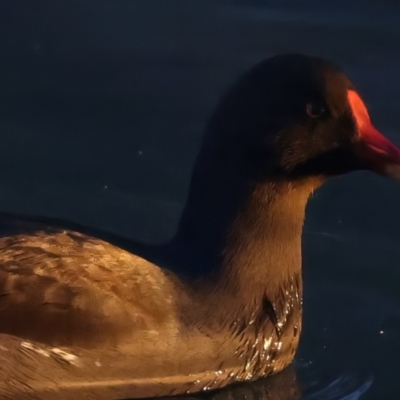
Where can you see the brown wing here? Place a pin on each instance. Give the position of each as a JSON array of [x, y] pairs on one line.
[[82, 318], [66, 288]]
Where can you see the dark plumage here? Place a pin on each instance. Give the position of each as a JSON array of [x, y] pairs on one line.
[[80, 315]]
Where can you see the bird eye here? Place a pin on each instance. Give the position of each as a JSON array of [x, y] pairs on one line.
[[315, 110]]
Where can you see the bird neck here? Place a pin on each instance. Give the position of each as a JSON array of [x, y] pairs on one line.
[[250, 233], [262, 252]]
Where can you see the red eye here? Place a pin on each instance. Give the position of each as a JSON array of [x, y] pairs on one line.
[[315, 110]]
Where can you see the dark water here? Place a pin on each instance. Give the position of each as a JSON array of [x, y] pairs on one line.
[[102, 107]]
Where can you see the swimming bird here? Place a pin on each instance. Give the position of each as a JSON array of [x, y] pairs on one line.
[[82, 316]]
